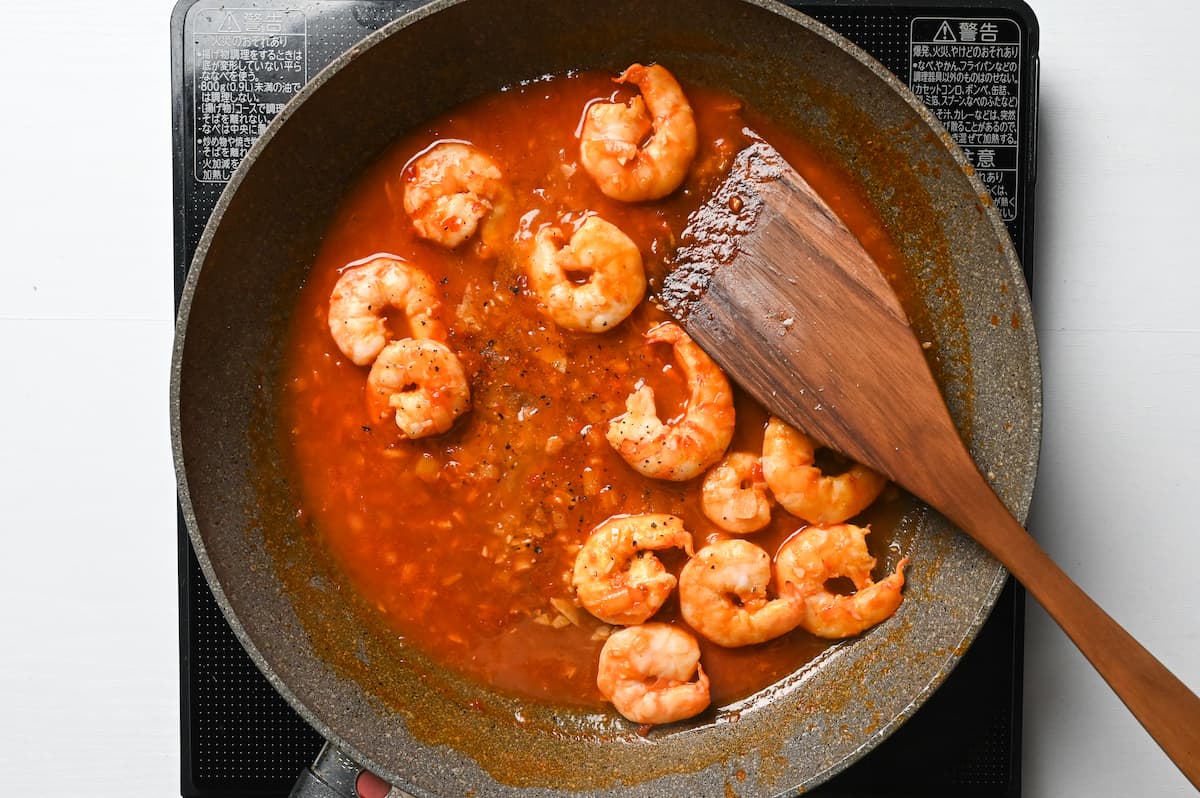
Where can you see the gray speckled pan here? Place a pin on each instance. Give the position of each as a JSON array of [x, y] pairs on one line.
[[423, 727]]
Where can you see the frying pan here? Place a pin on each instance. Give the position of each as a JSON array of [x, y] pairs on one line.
[[383, 702]]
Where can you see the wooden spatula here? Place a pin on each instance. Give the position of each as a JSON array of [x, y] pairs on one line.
[[779, 292]]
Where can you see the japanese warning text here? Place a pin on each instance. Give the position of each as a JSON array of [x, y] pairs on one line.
[[968, 71], [248, 64]]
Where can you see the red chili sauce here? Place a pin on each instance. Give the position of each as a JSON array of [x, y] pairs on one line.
[[465, 541]]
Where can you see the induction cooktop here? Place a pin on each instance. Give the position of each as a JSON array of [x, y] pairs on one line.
[[235, 65]]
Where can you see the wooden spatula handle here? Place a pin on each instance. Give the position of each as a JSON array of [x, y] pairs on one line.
[[1163, 704]]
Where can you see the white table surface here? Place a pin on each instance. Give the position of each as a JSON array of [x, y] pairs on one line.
[[88, 639]]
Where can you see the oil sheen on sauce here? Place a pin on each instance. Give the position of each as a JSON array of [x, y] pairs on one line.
[[464, 542]]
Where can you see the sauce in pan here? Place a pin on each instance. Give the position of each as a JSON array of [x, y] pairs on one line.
[[465, 541]]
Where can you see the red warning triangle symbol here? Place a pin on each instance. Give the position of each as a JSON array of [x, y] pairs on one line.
[[944, 33]]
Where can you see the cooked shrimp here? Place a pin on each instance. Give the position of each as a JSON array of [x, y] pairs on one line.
[[812, 557], [615, 283], [365, 291], [683, 447], [647, 673], [788, 463], [449, 190], [422, 382], [614, 147], [734, 494], [616, 578], [723, 595]]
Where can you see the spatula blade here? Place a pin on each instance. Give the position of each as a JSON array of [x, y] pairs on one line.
[[781, 294]]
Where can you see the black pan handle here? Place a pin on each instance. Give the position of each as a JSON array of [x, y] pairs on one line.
[[333, 775]]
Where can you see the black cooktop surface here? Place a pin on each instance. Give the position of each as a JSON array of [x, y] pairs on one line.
[[235, 65]]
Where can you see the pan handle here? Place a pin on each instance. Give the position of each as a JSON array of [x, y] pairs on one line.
[[333, 775]]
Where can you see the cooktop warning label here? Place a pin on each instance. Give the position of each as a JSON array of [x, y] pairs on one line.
[[968, 71], [248, 62]]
